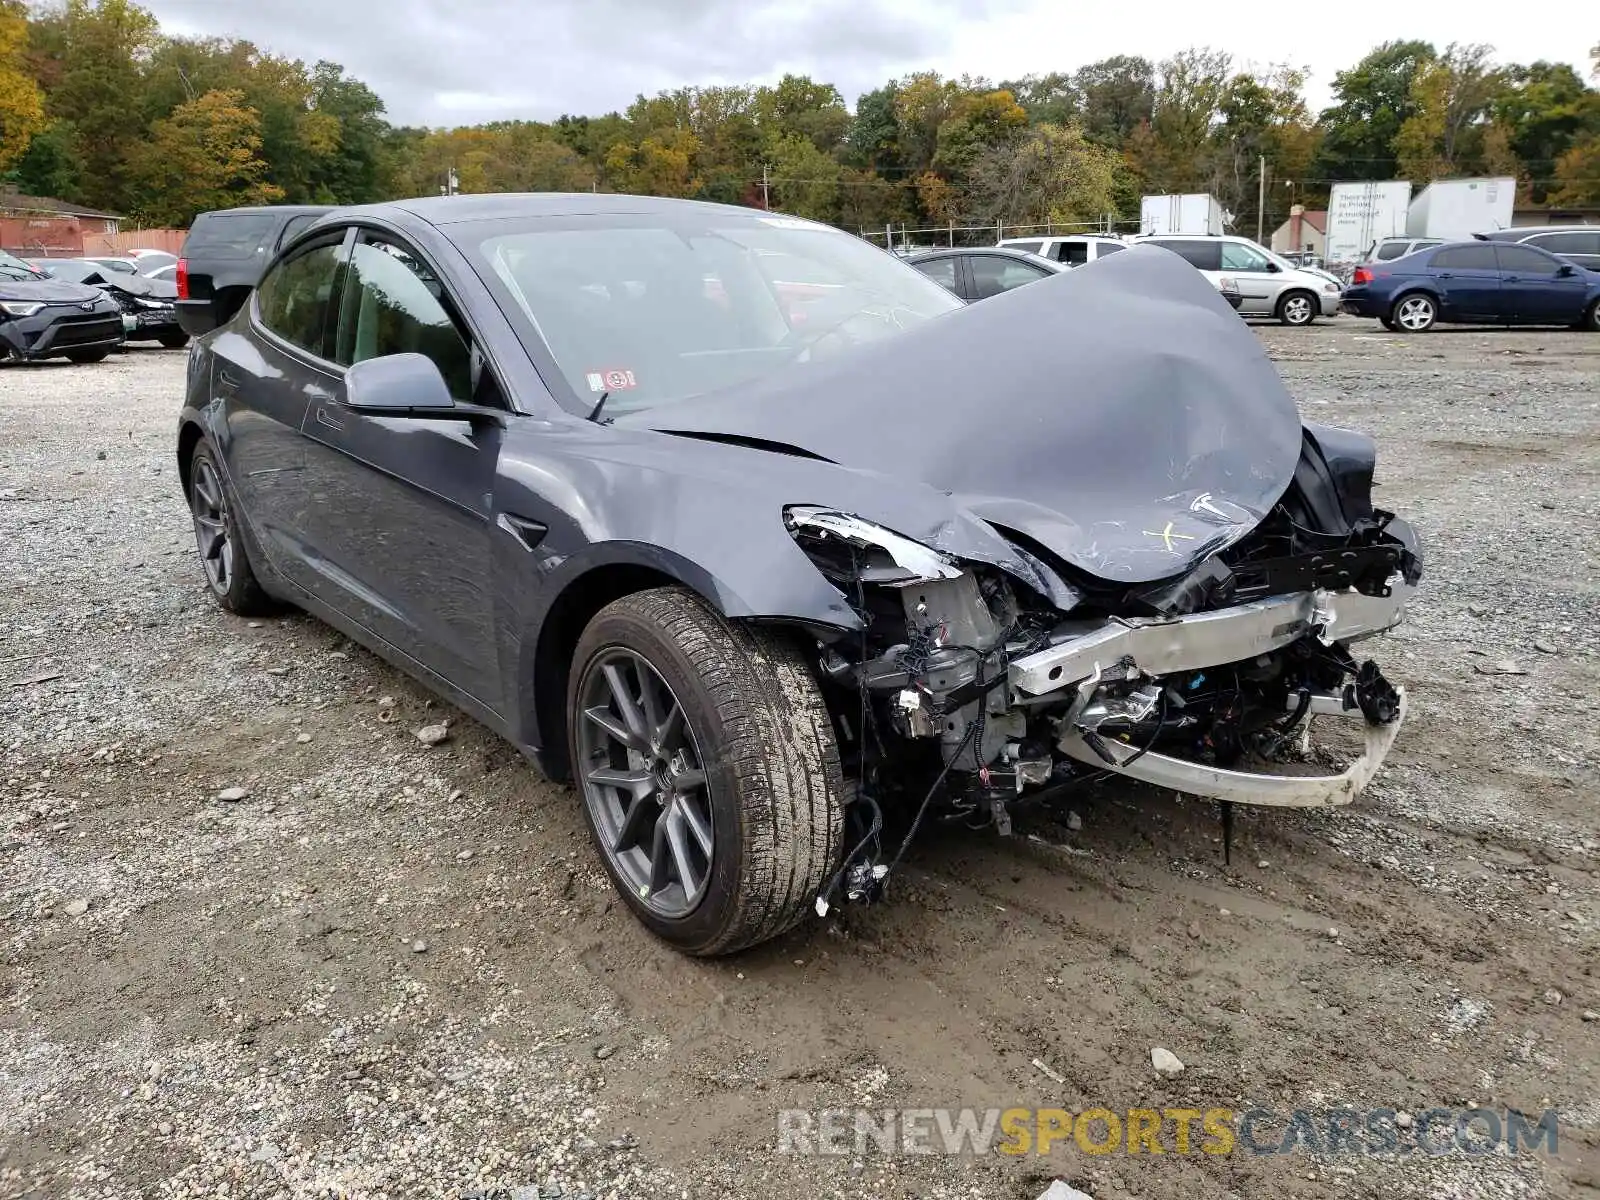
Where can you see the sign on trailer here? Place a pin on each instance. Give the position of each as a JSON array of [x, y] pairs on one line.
[[1361, 213]]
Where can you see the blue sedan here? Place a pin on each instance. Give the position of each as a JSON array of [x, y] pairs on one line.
[[1492, 283]]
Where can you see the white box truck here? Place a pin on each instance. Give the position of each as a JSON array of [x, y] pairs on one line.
[[1361, 213], [1192, 213], [1455, 209]]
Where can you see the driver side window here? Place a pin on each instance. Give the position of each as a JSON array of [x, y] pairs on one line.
[[393, 304]]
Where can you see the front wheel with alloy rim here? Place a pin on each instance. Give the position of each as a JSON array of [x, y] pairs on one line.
[[706, 764], [1591, 319], [216, 535], [1297, 308], [1415, 313]]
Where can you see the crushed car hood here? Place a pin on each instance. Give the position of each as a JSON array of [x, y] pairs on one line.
[[47, 291], [1120, 416]]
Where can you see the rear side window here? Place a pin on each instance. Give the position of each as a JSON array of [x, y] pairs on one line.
[[1576, 242], [1390, 251], [1465, 258], [1109, 248], [292, 300], [1207, 256], [941, 270], [1030, 247], [393, 305], [229, 235]]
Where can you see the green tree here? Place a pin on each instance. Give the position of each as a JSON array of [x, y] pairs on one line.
[[1050, 173], [1542, 110], [1374, 99], [1119, 95], [93, 50], [1449, 97], [21, 107], [51, 166], [204, 156]]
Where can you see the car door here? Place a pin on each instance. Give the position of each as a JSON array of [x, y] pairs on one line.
[[1259, 283], [1537, 288], [399, 510], [992, 274], [267, 368], [1467, 279]]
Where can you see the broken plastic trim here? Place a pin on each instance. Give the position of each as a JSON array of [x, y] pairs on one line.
[[1243, 787], [920, 562]]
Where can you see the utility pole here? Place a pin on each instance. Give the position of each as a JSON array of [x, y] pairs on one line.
[[766, 198], [1261, 201]]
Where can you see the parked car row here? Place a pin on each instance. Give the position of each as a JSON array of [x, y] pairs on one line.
[[1495, 280], [81, 309]]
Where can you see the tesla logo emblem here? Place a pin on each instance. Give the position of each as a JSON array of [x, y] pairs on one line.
[[1202, 503], [88, 305], [1167, 536]]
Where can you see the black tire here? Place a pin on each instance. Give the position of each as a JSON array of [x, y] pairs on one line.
[[1297, 308], [235, 587], [88, 356], [173, 341], [1414, 312], [754, 719], [1591, 319]]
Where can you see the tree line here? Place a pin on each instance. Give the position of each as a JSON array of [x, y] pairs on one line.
[[98, 106]]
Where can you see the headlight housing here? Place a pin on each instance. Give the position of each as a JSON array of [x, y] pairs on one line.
[[846, 546], [20, 308]]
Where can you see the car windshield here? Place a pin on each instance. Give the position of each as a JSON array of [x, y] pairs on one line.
[[12, 267], [647, 311]]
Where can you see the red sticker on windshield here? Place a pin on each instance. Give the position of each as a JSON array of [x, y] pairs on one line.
[[613, 379]]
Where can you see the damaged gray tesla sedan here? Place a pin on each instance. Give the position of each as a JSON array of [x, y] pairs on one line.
[[772, 546]]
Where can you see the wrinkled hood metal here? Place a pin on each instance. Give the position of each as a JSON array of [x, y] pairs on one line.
[[47, 291], [1120, 415]]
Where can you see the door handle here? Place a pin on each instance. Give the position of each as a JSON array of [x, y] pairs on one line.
[[326, 418], [1446, 275], [1512, 278], [227, 380]]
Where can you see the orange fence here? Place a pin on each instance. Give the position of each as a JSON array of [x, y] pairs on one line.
[[101, 244]]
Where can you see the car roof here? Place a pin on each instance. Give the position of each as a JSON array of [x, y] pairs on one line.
[[287, 210], [1517, 232], [451, 210]]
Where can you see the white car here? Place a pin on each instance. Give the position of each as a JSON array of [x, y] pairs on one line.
[[1269, 286], [1072, 250]]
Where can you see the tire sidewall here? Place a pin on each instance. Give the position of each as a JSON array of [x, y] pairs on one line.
[[1591, 319], [704, 925]]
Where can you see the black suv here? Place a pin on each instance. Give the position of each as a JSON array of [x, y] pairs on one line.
[[224, 255], [1578, 244], [42, 317]]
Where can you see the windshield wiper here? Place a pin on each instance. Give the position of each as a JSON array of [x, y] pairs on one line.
[[594, 413]]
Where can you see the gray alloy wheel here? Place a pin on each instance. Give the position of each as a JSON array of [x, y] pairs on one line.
[[1415, 313], [212, 533], [639, 768], [1297, 308], [229, 574]]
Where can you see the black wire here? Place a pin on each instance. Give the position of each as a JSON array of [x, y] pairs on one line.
[[928, 799]]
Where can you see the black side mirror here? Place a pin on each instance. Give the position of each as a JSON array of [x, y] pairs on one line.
[[398, 385], [1273, 267], [408, 385], [1565, 270]]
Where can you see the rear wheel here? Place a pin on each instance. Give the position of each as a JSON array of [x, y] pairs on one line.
[[708, 770], [88, 356], [1297, 308], [1591, 319], [216, 533], [1415, 313]]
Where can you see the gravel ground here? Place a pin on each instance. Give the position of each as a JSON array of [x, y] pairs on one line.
[[395, 970]]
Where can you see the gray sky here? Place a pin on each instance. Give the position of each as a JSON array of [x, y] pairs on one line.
[[451, 62]]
